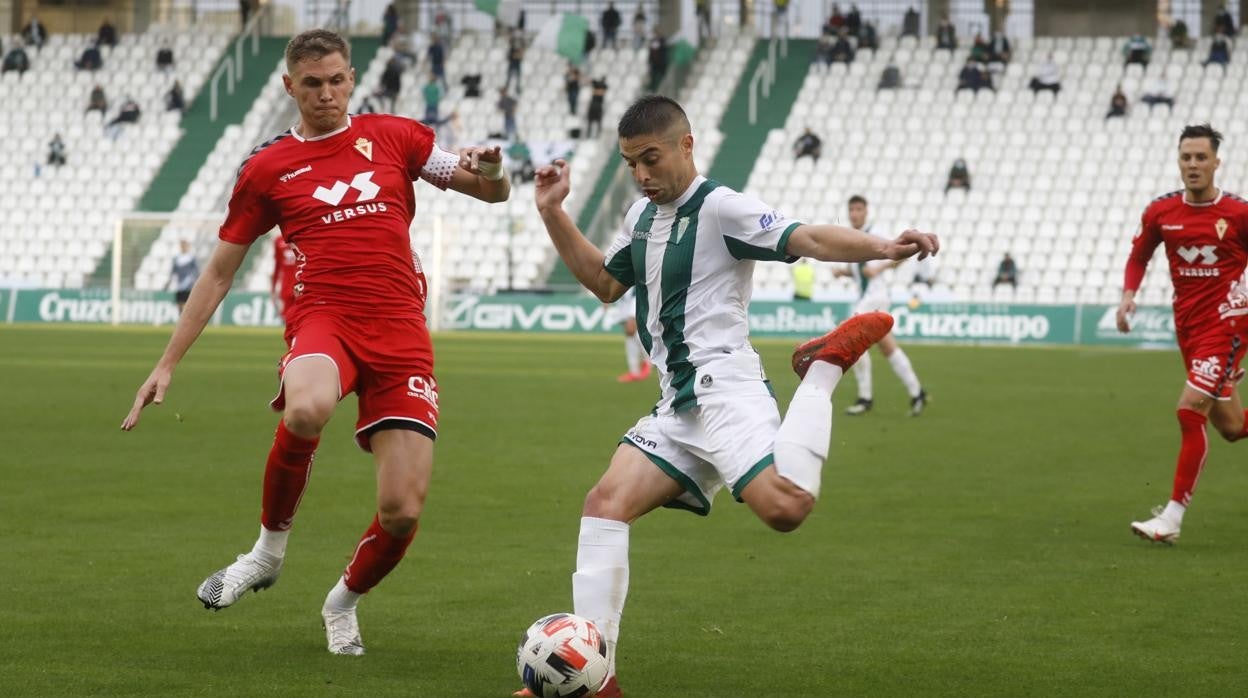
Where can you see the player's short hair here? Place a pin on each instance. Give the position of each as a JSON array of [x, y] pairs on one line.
[[1202, 131], [650, 115], [857, 199], [316, 44]]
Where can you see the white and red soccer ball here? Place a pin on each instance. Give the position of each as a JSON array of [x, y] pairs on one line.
[[562, 656]]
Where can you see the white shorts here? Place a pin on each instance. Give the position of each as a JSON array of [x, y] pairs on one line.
[[871, 303], [727, 439], [621, 310]]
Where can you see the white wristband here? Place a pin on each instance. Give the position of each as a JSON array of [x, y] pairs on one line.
[[492, 171]]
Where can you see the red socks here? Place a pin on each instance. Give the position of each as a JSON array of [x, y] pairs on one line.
[[285, 478], [377, 554], [1192, 453]]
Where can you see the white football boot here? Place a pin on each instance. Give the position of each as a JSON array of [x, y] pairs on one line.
[[1159, 529], [249, 572], [342, 632]]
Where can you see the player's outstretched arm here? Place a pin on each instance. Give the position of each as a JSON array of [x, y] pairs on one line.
[[481, 175], [586, 261], [836, 243], [206, 295]]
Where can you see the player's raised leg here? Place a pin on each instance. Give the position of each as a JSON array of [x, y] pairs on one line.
[[404, 466], [783, 496], [310, 386]]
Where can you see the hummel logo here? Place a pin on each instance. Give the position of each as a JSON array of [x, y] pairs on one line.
[[1171, 227], [291, 175], [363, 183]]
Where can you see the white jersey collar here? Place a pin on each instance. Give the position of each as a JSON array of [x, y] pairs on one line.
[[683, 198], [294, 131], [1202, 204]]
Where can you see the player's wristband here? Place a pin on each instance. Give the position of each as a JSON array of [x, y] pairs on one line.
[[492, 171]]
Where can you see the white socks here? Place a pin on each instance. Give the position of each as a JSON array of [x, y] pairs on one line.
[[802, 441], [341, 598], [271, 544], [600, 584], [901, 366], [634, 353], [1174, 511], [862, 374]]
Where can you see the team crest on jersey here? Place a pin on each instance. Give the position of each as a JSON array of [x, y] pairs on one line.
[[1221, 227], [681, 226], [365, 147]]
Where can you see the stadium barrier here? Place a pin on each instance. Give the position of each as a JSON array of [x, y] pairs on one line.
[[938, 322]]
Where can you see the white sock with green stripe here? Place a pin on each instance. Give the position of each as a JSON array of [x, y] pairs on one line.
[[600, 584], [802, 441], [633, 352], [862, 374]]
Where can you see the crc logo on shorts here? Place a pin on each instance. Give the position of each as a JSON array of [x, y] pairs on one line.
[[418, 387], [1207, 371], [641, 440], [362, 182]]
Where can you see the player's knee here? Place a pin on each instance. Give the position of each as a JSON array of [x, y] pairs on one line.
[[1230, 431], [399, 518], [787, 513], [602, 502], [308, 416]]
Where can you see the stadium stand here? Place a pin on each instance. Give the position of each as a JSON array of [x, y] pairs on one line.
[[59, 221], [1054, 182]]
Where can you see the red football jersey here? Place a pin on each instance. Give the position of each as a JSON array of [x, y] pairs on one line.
[[285, 264], [345, 201], [1207, 246]]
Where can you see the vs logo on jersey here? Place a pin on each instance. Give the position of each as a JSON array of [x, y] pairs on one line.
[[362, 183]]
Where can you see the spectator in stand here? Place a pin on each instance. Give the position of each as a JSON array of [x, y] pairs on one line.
[[657, 58], [164, 57], [389, 23], [610, 22], [807, 145], [1137, 50], [842, 50], [437, 61], [1117, 104], [910, 23], [442, 23], [507, 105], [823, 48], [56, 151], [853, 21], [174, 99], [973, 77], [780, 18], [703, 10], [639, 28], [890, 79], [16, 59], [90, 58], [107, 34], [959, 176], [946, 35], [1048, 77], [837, 21], [999, 48], [392, 81], [1158, 92], [183, 275], [1007, 272], [35, 33], [1179, 35], [129, 114], [447, 130], [980, 51], [97, 101], [597, 105], [515, 55], [591, 42], [432, 92], [244, 11], [868, 37], [572, 86], [401, 44], [1224, 23], [1219, 52]]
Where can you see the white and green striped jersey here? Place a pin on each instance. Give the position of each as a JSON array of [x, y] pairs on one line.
[[692, 263]]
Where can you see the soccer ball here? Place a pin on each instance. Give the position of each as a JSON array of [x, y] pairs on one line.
[[562, 656]]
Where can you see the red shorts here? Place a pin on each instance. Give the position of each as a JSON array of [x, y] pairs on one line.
[[1212, 360], [388, 363]]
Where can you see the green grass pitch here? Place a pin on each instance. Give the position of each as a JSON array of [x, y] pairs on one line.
[[981, 549]]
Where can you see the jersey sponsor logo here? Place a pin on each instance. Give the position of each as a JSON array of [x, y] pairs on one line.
[[291, 175], [1221, 227], [418, 387], [641, 440], [365, 148], [1208, 254], [768, 219], [362, 183], [1172, 227]]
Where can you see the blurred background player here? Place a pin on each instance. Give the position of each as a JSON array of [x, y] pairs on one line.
[[873, 296], [1205, 231], [339, 188], [282, 285], [184, 274], [689, 246], [624, 312]]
